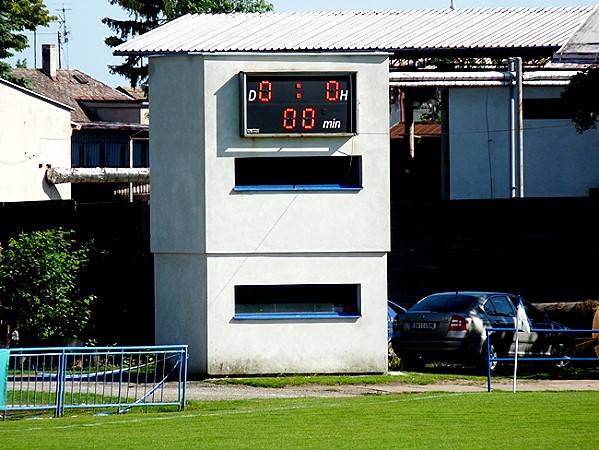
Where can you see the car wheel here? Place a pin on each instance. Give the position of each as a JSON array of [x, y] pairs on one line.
[[494, 364], [561, 351]]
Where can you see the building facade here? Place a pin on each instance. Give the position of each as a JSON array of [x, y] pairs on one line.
[[268, 276], [35, 133]]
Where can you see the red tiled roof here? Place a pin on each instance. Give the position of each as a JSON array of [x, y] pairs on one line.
[[71, 86], [421, 129]]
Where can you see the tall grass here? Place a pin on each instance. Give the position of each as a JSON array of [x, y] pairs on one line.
[[497, 420]]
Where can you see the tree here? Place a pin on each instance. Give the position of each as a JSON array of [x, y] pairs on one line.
[[38, 282], [582, 97], [17, 16], [145, 15]]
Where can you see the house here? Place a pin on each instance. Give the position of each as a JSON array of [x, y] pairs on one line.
[[35, 134], [486, 154], [259, 268], [109, 147], [582, 48]]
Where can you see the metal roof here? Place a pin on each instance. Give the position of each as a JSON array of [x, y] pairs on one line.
[[402, 32], [583, 46], [473, 78]]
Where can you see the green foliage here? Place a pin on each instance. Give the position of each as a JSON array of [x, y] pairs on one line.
[[478, 63], [16, 16], [38, 281], [582, 97], [177, 8], [6, 73], [149, 14]]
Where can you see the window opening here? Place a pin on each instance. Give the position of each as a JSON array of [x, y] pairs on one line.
[[299, 173], [297, 301]]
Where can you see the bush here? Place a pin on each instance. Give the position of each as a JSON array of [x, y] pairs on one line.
[[38, 282]]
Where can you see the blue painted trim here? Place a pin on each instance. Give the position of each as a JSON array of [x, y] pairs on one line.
[[294, 316], [298, 187]]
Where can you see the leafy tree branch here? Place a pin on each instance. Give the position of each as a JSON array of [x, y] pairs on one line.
[[39, 274], [582, 97], [145, 15], [17, 16]]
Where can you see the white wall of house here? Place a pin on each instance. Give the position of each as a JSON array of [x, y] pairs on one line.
[[35, 133], [207, 238], [558, 162]]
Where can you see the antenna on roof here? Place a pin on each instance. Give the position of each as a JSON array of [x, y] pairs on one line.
[[63, 35], [452, 6]]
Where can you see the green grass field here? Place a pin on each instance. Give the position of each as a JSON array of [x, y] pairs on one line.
[[497, 420]]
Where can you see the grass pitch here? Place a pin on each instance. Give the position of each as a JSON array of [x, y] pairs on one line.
[[497, 420]]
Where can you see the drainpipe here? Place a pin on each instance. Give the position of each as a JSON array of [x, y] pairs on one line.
[[520, 126], [516, 130], [130, 167], [513, 95], [409, 119]]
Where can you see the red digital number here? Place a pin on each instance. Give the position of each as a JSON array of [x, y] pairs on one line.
[[308, 118], [289, 118], [265, 91], [332, 91]]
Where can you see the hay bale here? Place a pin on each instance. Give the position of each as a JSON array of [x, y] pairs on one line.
[[575, 315]]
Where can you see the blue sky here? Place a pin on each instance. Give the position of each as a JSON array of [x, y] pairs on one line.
[[86, 51]]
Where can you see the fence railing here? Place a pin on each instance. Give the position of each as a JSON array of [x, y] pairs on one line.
[[114, 379], [516, 358]]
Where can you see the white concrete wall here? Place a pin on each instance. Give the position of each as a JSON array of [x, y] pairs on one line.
[[297, 346], [558, 162], [34, 133], [264, 238]]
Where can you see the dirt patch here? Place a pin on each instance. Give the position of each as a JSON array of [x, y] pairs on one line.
[[203, 390]]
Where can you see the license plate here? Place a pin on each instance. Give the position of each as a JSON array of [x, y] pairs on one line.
[[423, 325]]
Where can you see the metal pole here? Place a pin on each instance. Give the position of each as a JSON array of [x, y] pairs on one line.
[[513, 95], [130, 166], [61, 377], [518, 61]]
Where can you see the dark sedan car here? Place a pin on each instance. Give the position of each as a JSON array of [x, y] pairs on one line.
[[393, 309], [450, 327]]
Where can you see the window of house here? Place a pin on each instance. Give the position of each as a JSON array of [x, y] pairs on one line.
[[115, 155], [299, 173], [141, 153], [92, 154], [263, 302]]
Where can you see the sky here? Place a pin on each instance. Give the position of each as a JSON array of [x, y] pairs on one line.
[[84, 47]]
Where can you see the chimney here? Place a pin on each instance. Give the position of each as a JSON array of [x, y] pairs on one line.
[[49, 60]]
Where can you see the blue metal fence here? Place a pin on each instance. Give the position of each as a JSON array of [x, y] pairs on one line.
[[110, 378], [514, 360]]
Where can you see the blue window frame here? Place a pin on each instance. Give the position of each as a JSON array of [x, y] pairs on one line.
[[287, 173], [297, 301]]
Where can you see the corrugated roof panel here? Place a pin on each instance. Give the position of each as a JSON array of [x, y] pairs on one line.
[[385, 30], [582, 48], [493, 28]]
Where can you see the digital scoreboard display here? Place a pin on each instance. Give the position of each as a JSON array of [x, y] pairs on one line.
[[298, 104]]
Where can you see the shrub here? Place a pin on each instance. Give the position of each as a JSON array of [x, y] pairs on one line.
[[38, 282]]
